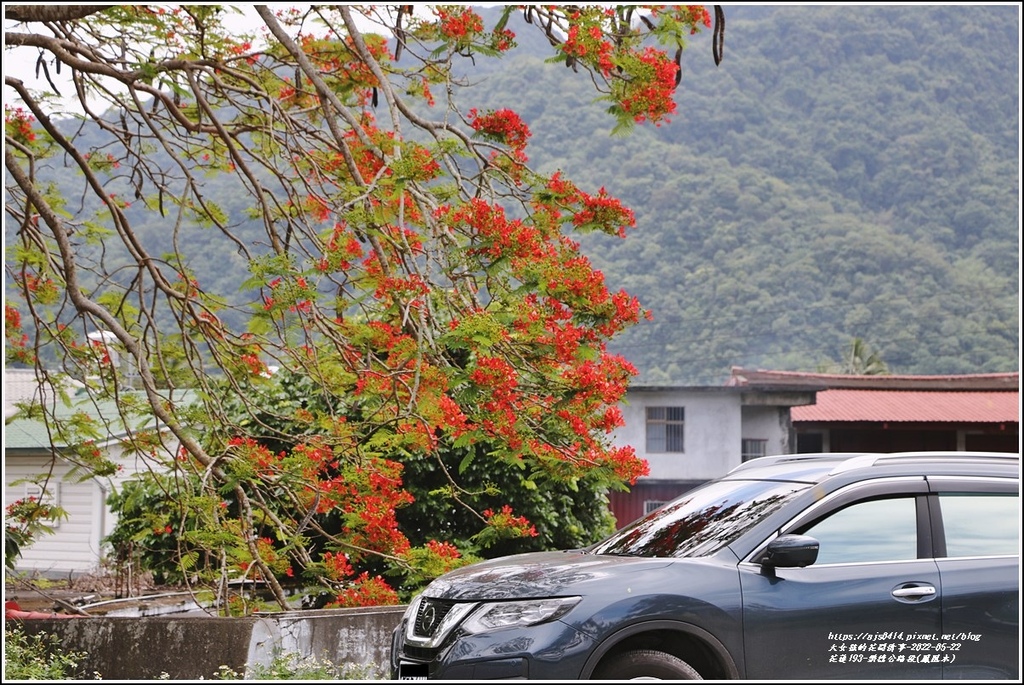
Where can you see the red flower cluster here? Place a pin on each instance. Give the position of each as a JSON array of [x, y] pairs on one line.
[[503, 40], [698, 15], [264, 461], [337, 565], [507, 524], [444, 550], [650, 96], [590, 45], [17, 341], [603, 212], [254, 364], [497, 235], [243, 49], [18, 124], [373, 493], [459, 24], [504, 126], [366, 592], [342, 249], [340, 58]]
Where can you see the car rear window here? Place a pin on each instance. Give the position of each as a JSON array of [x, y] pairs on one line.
[[701, 521]]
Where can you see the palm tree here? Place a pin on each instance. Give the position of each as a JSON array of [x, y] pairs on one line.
[[859, 360]]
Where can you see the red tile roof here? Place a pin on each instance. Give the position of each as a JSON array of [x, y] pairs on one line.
[[844, 404]]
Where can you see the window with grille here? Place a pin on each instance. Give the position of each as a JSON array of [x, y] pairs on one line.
[[652, 505], [665, 429], [752, 449], [50, 496]]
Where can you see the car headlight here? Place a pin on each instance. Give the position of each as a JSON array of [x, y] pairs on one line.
[[495, 615]]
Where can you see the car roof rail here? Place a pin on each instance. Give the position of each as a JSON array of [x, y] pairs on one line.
[[759, 462], [867, 460]]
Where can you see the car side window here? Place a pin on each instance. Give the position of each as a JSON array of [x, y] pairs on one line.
[[869, 530], [980, 524]]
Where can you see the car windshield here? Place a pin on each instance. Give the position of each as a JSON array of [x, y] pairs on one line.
[[701, 521]]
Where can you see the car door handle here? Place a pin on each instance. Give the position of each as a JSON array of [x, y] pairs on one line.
[[914, 591]]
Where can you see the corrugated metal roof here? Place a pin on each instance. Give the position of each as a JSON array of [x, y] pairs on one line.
[[22, 385], [911, 406], [33, 434]]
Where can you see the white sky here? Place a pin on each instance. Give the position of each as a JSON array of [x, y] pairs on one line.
[[21, 62]]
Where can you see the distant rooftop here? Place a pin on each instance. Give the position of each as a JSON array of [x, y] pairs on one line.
[[969, 398], [981, 381], [32, 434], [921, 406], [20, 385]]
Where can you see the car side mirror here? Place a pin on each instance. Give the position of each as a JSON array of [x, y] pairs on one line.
[[791, 551]]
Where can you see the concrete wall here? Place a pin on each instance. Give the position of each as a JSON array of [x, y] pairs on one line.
[[197, 647], [771, 424]]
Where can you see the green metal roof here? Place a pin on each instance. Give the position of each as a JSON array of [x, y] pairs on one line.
[[101, 416]]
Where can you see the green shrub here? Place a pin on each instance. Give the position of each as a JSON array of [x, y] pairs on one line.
[[37, 657], [292, 666]]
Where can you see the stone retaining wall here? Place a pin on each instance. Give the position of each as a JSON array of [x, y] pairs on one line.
[[199, 647]]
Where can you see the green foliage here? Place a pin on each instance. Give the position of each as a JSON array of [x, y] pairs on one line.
[[163, 528], [292, 666], [844, 175], [859, 360], [443, 330], [37, 657], [566, 514], [24, 521]]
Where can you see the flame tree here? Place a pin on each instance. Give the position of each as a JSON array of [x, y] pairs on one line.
[[400, 256]]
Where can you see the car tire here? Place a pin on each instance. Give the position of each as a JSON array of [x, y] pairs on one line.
[[646, 664]]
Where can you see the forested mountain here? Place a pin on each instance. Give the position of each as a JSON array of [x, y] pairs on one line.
[[846, 172]]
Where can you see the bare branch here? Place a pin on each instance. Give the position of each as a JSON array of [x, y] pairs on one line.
[[47, 13]]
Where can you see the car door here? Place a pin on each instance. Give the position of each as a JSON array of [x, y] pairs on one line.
[[977, 532], [865, 607]]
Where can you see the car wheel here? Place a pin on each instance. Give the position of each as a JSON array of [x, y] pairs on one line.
[[646, 664]]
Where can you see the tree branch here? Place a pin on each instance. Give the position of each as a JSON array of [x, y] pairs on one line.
[[45, 13]]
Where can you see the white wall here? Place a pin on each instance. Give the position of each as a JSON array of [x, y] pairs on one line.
[[712, 432], [76, 544], [73, 547]]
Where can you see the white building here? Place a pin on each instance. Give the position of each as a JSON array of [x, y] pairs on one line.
[[39, 463], [689, 435]]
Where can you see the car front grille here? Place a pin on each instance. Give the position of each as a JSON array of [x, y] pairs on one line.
[[430, 616]]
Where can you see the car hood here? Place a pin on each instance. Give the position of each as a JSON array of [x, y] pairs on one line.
[[538, 574]]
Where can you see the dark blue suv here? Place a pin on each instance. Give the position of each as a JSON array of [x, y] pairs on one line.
[[842, 566]]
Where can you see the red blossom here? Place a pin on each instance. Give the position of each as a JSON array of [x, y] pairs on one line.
[[698, 15], [337, 565], [459, 24], [12, 318], [651, 95], [18, 124], [445, 550], [506, 523], [366, 591], [504, 126]]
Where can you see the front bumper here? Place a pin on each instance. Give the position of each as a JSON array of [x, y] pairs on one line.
[[549, 651]]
